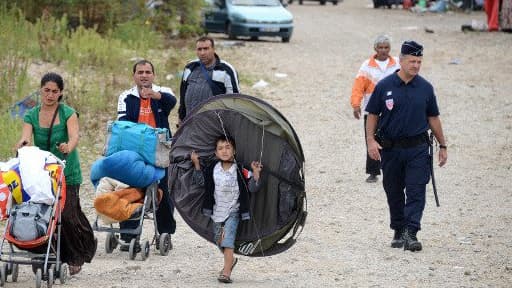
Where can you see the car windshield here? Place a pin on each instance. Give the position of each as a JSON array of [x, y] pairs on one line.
[[255, 2]]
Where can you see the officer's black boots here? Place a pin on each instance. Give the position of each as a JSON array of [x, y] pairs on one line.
[[398, 240], [411, 243], [372, 178]]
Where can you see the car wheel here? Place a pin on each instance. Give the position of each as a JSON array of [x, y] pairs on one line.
[[334, 2], [300, 2], [229, 31], [285, 39], [254, 38], [322, 2]]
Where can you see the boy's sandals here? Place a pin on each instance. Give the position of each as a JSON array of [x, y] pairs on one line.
[[232, 266], [74, 269], [226, 279]]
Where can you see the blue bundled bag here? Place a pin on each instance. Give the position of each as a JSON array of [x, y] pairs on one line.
[[152, 144], [127, 167]]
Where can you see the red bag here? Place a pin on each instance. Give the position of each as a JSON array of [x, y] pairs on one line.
[[4, 197]]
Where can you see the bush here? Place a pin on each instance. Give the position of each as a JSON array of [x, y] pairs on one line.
[[165, 16], [138, 35], [51, 34], [16, 49], [103, 15], [11, 132]]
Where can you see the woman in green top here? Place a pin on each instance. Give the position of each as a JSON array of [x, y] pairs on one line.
[[54, 127]]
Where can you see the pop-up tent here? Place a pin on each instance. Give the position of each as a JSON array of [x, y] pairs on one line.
[[261, 133]]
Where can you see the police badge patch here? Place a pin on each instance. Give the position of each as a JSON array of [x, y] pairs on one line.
[[389, 104]]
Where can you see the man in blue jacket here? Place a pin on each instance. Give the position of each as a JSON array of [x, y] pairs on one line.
[[150, 104]]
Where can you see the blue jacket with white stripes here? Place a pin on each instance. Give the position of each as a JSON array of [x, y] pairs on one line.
[[228, 73], [128, 106]]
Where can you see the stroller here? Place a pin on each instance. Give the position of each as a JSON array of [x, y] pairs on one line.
[[43, 252], [162, 242]]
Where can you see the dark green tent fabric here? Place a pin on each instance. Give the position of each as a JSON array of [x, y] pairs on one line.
[[278, 210]]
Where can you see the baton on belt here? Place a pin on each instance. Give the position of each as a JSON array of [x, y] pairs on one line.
[[431, 152]]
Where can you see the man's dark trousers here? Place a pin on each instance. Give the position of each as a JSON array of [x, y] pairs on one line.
[[372, 166], [409, 169]]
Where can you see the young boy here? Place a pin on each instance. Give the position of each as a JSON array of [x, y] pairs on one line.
[[227, 197]]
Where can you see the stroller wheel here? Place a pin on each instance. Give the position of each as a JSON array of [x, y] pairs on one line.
[[131, 251], [51, 276], [3, 274], [39, 277], [14, 274], [110, 243], [145, 250], [164, 244], [63, 273]]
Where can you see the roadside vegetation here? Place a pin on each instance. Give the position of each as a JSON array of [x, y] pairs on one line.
[[93, 45]]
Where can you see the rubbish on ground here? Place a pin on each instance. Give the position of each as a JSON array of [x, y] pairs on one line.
[[260, 84], [281, 75]]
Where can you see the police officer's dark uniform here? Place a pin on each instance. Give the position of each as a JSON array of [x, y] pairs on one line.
[[403, 110]]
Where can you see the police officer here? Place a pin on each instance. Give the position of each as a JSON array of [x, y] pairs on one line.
[[402, 108]]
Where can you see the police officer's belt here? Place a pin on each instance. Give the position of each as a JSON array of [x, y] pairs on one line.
[[406, 142]]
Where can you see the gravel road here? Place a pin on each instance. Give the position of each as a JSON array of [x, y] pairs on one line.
[[467, 241]]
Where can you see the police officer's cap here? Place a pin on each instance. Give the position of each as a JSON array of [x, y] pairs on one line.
[[411, 48]]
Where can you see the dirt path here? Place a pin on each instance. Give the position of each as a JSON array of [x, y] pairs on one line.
[[467, 241]]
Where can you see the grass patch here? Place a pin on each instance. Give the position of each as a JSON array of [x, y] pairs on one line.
[[138, 35], [11, 132]]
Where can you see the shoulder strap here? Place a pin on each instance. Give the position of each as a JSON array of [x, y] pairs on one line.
[[51, 128], [207, 77]]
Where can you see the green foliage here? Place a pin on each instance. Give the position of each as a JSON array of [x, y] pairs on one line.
[[188, 30], [138, 35], [11, 132], [178, 17], [15, 33], [85, 48], [106, 15], [51, 34], [88, 93], [13, 79], [102, 14]]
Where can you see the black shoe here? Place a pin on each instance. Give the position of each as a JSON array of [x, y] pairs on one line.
[[398, 240], [372, 178], [411, 243]]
